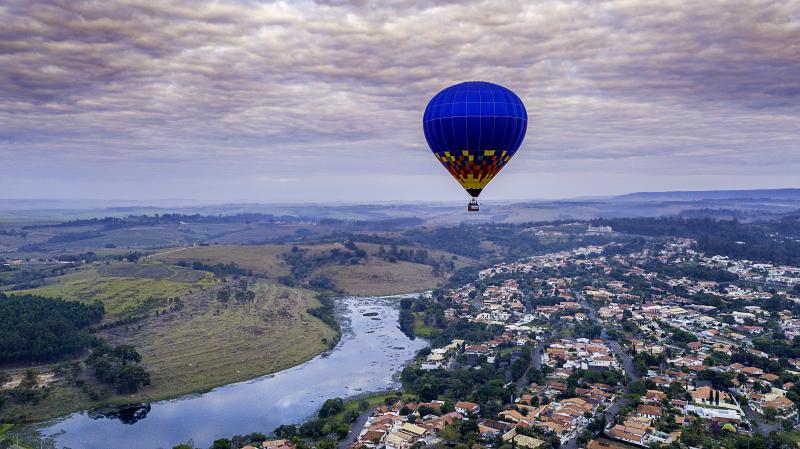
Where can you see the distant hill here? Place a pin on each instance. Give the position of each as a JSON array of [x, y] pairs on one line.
[[698, 195]]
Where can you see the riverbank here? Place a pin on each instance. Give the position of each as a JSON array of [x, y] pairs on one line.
[[370, 354], [199, 348], [7, 436]]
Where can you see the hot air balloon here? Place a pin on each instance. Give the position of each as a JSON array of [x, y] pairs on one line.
[[473, 129]]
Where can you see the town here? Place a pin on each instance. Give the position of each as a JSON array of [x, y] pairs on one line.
[[600, 347]]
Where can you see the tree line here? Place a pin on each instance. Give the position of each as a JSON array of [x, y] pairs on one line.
[[772, 242]]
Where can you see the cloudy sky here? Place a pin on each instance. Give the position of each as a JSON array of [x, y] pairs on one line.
[[321, 101]]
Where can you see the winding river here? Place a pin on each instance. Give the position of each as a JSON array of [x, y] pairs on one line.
[[372, 351]]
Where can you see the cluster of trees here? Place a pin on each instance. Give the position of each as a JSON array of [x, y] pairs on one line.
[[221, 270], [440, 266], [118, 366], [680, 337], [488, 386], [237, 441], [430, 313], [303, 262], [35, 329], [88, 256], [326, 312], [241, 294], [776, 346]]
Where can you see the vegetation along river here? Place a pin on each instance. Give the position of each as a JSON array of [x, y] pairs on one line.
[[368, 357]]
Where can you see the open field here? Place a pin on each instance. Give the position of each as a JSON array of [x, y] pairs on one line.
[[378, 277], [375, 277], [124, 289], [261, 259], [202, 346]]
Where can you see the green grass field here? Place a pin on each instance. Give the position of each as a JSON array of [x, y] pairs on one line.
[[372, 400], [122, 296]]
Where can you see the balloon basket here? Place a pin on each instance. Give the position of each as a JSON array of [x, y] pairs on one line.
[[473, 206]]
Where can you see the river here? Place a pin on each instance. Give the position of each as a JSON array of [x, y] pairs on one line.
[[370, 354]]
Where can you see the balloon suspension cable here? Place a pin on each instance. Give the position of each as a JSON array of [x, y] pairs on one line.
[[473, 205]]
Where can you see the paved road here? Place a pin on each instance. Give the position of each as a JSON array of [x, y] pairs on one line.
[[522, 382], [759, 424], [355, 429], [536, 358], [627, 365], [166, 252]]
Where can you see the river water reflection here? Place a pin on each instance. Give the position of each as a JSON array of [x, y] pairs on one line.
[[372, 351]]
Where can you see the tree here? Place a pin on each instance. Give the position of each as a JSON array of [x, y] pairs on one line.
[[184, 446], [131, 378], [770, 413], [787, 424], [127, 354], [331, 407], [716, 397], [222, 443], [326, 443]]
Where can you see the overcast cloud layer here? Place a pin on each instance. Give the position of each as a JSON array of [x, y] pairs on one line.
[[245, 100]]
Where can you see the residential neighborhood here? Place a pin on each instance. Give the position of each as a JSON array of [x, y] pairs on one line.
[[620, 350]]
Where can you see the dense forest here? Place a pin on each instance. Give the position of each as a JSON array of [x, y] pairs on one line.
[[775, 242], [33, 328]]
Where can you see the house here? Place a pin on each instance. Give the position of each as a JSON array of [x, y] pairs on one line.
[[477, 349], [405, 437], [467, 408], [276, 444], [654, 397], [720, 415], [780, 403], [511, 416], [628, 434], [490, 428], [649, 411], [597, 444], [704, 395]]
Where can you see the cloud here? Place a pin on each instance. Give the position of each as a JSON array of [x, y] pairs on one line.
[[338, 87]]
